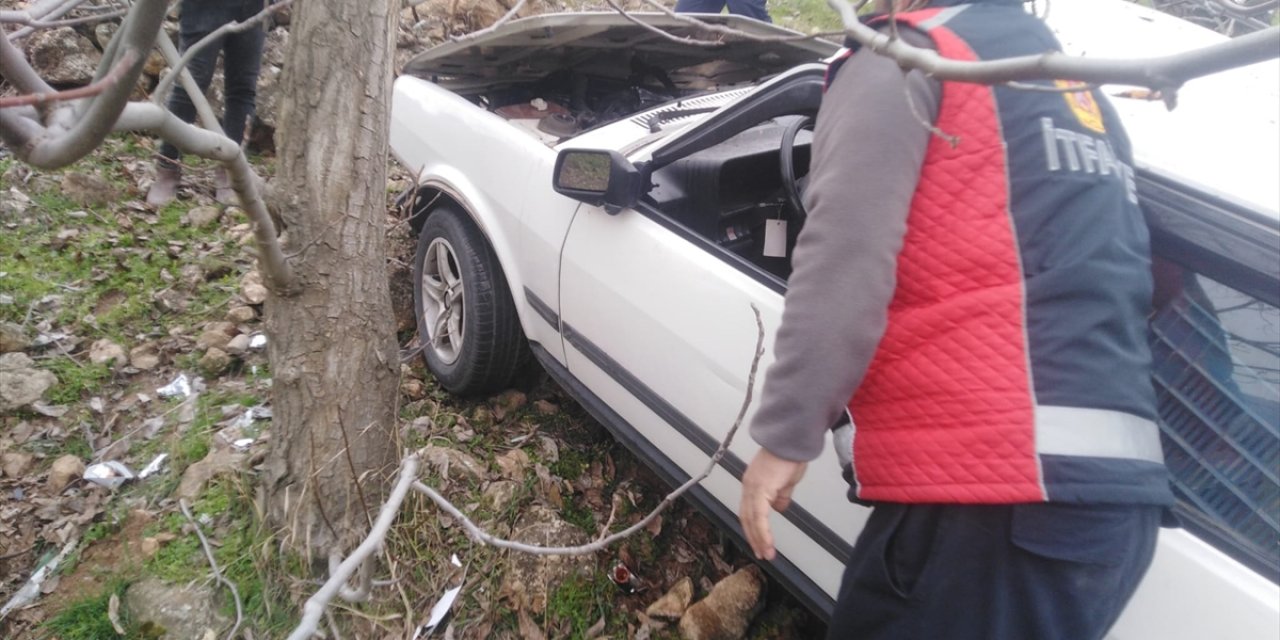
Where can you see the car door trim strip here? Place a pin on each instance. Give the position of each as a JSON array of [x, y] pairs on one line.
[[542, 309], [815, 598], [795, 514]]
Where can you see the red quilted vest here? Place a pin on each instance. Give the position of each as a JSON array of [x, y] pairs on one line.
[[946, 411]]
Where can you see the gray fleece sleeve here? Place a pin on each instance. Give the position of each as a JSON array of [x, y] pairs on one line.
[[867, 152]]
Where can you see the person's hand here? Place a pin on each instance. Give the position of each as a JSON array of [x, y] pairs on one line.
[[767, 483]]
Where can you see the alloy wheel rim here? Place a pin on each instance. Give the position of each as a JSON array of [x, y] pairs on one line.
[[443, 301]]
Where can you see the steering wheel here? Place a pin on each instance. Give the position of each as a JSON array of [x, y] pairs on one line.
[[787, 162]]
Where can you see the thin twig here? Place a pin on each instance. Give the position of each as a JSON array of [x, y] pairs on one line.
[[737, 33], [67, 22], [217, 573], [710, 44], [93, 89]]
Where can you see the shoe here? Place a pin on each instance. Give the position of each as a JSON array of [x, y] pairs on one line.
[[165, 187], [223, 191]]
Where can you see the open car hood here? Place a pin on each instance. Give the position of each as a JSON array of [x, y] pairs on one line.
[[610, 45]]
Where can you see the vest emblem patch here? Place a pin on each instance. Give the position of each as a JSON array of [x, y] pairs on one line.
[[1082, 105]]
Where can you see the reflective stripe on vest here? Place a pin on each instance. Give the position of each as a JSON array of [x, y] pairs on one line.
[[1096, 433]]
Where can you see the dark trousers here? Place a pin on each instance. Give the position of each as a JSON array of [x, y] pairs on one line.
[[241, 60], [998, 572], [749, 8]]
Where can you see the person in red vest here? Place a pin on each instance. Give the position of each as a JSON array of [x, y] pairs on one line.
[[976, 300]]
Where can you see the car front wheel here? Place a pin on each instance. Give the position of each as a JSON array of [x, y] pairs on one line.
[[467, 323]]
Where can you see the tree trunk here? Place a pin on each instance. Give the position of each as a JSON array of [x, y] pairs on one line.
[[332, 344]]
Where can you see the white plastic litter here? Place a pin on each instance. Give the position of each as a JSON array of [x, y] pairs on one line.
[[441, 608], [154, 466], [242, 444], [31, 590], [179, 388], [108, 474], [257, 341]]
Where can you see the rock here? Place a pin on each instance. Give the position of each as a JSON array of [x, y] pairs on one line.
[[252, 289], [513, 464], [727, 611], [87, 190], [449, 462], [203, 216], [672, 605], [152, 544], [238, 345], [241, 315], [545, 408], [16, 464], [500, 493], [214, 362], [413, 389], [536, 576], [155, 62], [216, 335], [509, 401], [13, 338], [220, 461], [182, 611], [21, 383], [107, 352], [145, 356], [63, 57], [64, 470]]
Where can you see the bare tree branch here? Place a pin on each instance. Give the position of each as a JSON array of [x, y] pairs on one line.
[[161, 92], [729, 31], [204, 111], [1164, 73], [708, 44], [315, 606], [68, 22], [217, 573], [137, 35], [93, 89], [45, 11]]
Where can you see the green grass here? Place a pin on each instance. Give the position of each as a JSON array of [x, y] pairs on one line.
[[86, 619], [805, 16], [76, 381], [580, 601]]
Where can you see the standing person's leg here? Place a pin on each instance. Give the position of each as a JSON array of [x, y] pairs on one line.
[[194, 24], [699, 6], [1003, 572], [241, 61], [751, 9]]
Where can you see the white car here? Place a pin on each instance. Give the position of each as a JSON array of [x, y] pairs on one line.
[[595, 195]]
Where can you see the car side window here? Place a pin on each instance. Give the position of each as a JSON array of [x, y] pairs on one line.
[[1216, 371]]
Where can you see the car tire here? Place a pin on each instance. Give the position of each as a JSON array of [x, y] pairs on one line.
[[467, 323]]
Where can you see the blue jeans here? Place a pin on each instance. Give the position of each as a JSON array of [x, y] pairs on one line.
[[749, 8], [993, 572], [241, 60]]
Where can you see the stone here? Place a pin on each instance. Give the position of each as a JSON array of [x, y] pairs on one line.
[[238, 345], [511, 400], [21, 383], [145, 356], [152, 544], [413, 389], [63, 471], [536, 576], [673, 604], [16, 464], [87, 190], [63, 57], [726, 612], [216, 334], [221, 461], [214, 362], [203, 216], [513, 464], [182, 611], [500, 493], [107, 352], [13, 338], [449, 462], [252, 289], [155, 62], [545, 408], [241, 314]]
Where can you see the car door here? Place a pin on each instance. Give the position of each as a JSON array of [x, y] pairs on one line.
[[662, 331]]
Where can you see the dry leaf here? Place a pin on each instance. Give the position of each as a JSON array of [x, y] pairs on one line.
[[528, 629], [596, 629], [655, 526]]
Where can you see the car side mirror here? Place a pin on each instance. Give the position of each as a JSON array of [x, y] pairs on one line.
[[598, 177]]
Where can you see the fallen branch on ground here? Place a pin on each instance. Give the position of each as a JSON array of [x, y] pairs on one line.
[[316, 605], [217, 573]]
